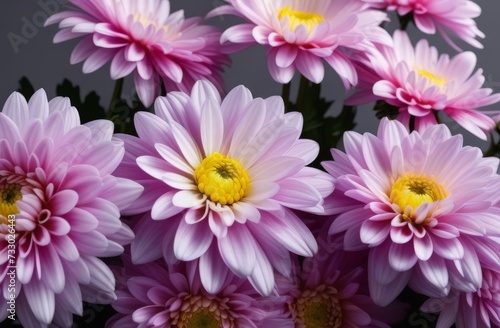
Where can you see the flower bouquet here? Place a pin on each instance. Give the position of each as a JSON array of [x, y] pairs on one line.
[[187, 204]]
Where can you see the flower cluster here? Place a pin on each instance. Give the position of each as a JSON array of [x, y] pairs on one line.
[[219, 208]]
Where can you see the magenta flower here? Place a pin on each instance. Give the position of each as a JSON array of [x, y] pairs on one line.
[[224, 176], [56, 180], [455, 17], [143, 38], [421, 84], [479, 309], [330, 291], [421, 203], [298, 35], [152, 295]]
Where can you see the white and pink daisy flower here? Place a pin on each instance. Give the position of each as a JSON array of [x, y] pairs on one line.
[[156, 296], [455, 17], [223, 176], [144, 38], [421, 84], [423, 206], [299, 35], [330, 290], [479, 309], [56, 181]]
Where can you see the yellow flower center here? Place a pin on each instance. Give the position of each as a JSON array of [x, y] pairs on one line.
[[202, 318], [9, 195], [296, 18], [222, 178], [315, 309], [198, 311], [436, 80], [146, 21], [412, 190]]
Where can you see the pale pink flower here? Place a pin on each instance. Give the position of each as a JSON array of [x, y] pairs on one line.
[[143, 38], [330, 290], [455, 17], [154, 295], [56, 179], [423, 206], [479, 309], [299, 35], [422, 83], [224, 177]]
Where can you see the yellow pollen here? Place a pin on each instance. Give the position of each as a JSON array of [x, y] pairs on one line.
[[413, 190], [318, 310], [9, 195], [437, 80], [222, 178], [296, 18], [202, 318], [146, 21]]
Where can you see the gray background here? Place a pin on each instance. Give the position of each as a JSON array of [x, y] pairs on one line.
[[47, 64]]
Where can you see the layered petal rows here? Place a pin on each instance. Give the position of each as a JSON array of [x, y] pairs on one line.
[[420, 83], [422, 203], [56, 180], [143, 38], [221, 180], [299, 35], [448, 17]]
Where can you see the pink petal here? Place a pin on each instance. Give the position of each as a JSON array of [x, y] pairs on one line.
[[192, 240], [213, 271], [238, 250]]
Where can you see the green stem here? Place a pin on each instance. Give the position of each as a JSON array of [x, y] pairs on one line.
[[285, 93], [412, 123], [115, 98], [304, 85], [163, 88], [493, 147], [405, 20]]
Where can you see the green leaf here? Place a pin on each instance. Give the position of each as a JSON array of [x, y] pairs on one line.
[[89, 109], [122, 114], [383, 109], [405, 20], [326, 130], [26, 88]]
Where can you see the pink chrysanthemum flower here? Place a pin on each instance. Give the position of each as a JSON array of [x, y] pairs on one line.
[[298, 35], [56, 181], [330, 291], [421, 84], [423, 205], [224, 176], [454, 17], [479, 309], [144, 38], [152, 295]]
